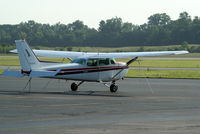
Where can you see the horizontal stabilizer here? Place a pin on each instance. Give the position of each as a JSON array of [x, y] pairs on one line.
[[13, 73], [33, 74], [41, 74]]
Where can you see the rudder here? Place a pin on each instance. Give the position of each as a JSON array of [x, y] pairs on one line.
[[27, 58]]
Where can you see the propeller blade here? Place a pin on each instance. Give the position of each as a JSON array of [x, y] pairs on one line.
[[132, 60]]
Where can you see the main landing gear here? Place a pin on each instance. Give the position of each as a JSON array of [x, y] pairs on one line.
[[74, 86], [113, 87]]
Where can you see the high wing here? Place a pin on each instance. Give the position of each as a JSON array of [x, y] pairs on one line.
[[67, 54]]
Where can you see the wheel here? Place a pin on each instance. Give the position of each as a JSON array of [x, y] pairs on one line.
[[74, 87], [113, 88]]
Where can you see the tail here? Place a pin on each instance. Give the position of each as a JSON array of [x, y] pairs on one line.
[[27, 58], [30, 64]]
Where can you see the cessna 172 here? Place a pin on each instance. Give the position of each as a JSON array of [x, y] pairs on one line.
[[92, 67]]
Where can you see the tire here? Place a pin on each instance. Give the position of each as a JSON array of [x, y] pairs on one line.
[[113, 88], [74, 87]]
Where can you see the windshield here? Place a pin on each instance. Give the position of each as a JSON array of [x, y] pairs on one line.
[[112, 61], [79, 61]]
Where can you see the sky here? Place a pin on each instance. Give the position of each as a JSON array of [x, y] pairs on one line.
[[91, 12]]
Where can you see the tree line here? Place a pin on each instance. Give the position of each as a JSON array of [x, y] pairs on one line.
[[159, 30]]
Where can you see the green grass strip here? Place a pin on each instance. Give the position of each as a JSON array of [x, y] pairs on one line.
[[14, 61], [165, 63], [190, 74], [9, 61]]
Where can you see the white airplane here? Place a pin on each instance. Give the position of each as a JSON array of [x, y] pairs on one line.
[[91, 67]]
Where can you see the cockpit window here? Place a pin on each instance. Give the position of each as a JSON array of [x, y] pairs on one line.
[[79, 61], [92, 62], [112, 61]]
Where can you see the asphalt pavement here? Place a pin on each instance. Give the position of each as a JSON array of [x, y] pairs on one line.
[[141, 106]]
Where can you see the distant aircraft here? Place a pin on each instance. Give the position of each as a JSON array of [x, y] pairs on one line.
[[86, 67]]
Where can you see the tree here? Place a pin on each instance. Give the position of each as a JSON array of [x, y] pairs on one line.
[[181, 28], [184, 18], [110, 31], [111, 25], [159, 19], [159, 30]]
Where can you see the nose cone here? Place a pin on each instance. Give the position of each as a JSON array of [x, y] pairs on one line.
[[122, 64]]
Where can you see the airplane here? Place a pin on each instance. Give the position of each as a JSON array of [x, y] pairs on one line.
[[84, 67]]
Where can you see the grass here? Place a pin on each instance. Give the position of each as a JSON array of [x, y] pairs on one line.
[[190, 74], [165, 63], [13, 60], [9, 61]]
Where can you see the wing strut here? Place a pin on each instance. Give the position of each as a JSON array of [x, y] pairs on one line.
[[117, 73]]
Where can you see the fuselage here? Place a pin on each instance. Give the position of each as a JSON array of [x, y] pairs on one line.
[[95, 69]]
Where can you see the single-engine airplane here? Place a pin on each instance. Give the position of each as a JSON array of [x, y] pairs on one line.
[[85, 67]]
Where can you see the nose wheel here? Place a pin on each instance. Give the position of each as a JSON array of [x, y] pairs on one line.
[[113, 88]]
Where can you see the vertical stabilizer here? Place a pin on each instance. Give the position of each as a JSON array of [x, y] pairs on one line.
[[27, 58]]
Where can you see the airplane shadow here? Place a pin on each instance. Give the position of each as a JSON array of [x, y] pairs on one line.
[[69, 93]]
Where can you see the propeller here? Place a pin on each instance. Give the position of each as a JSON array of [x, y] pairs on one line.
[[132, 60]]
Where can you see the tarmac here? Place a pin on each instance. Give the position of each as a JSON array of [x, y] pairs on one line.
[[141, 106]]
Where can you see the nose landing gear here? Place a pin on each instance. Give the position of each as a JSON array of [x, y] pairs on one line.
[[113, 88]]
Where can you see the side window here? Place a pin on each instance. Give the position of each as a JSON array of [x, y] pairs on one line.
[[103, 61], [92, 62]]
